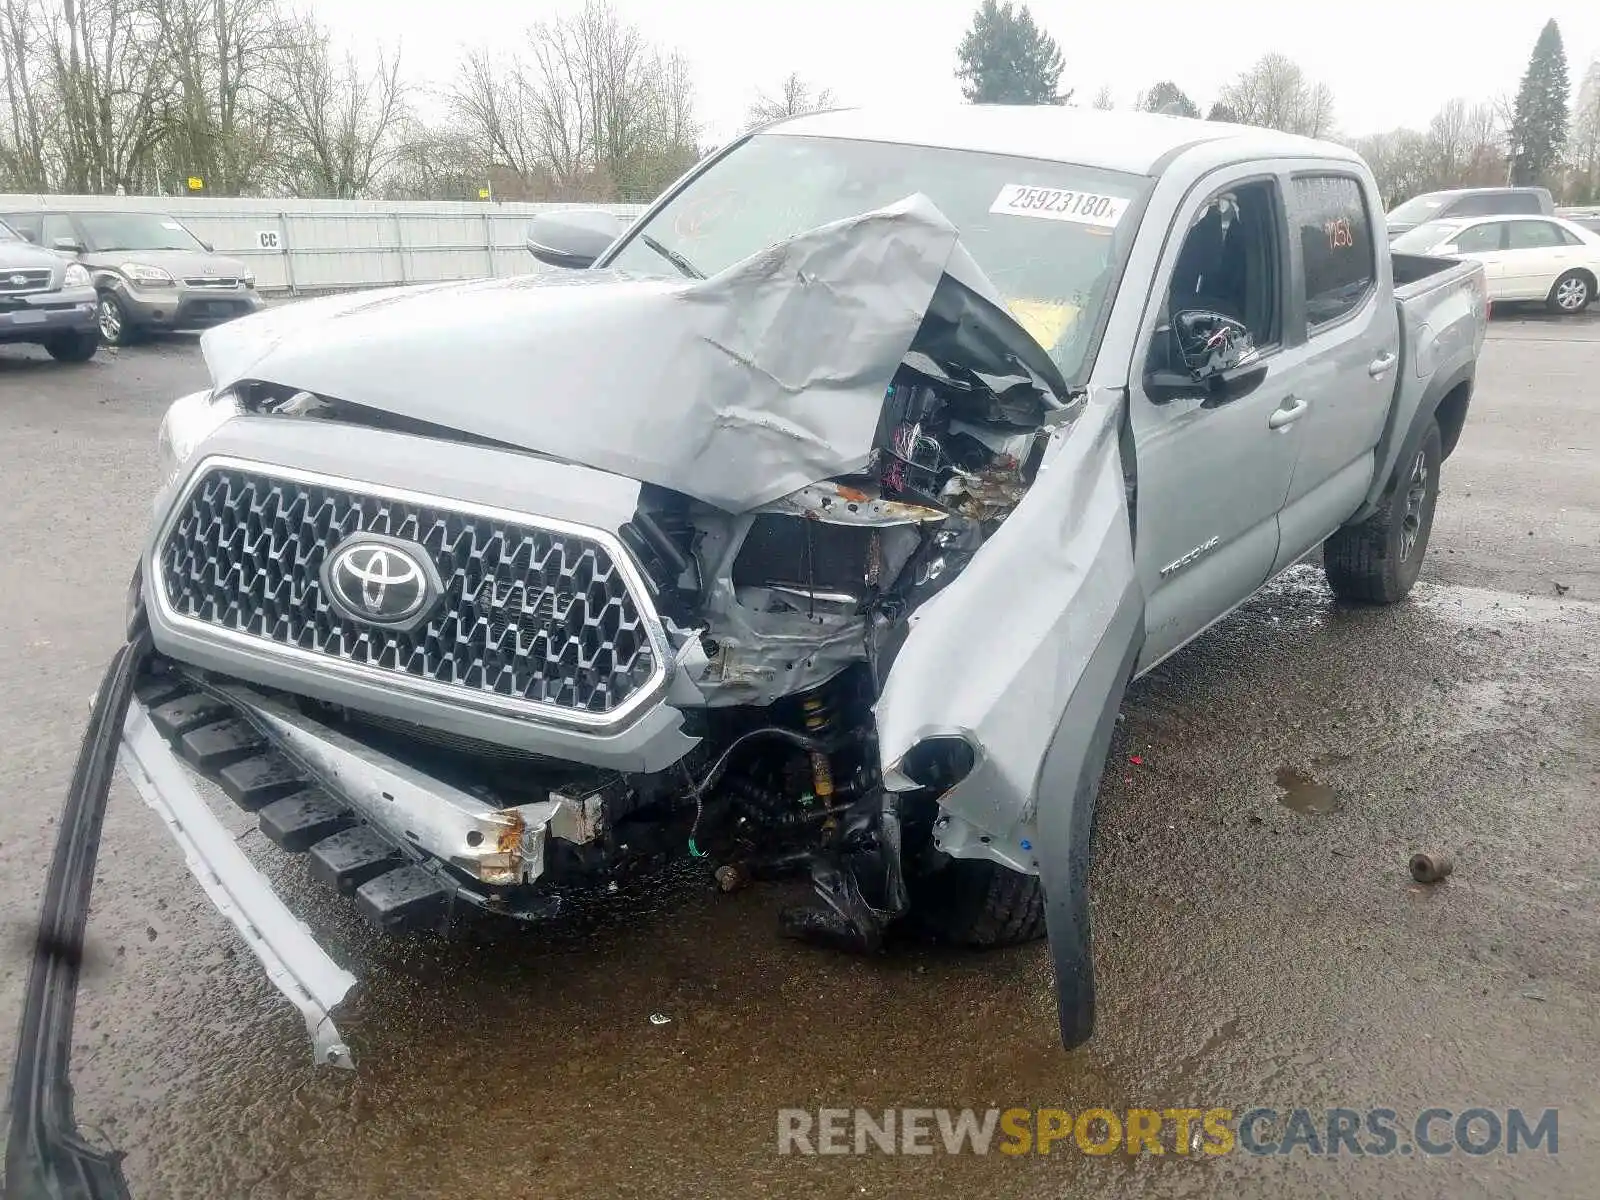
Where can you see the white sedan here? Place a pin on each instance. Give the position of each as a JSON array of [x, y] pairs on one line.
[[1525, 258]]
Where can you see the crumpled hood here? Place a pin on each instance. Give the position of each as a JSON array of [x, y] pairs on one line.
[[736, 389]]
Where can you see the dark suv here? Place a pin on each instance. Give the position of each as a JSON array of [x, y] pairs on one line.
[[1469, 202], [45, 301], [150, 271]]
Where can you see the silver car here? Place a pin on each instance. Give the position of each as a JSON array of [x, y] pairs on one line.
[[150, 271]]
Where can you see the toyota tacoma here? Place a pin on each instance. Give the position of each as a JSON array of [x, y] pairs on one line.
[[814, 523]]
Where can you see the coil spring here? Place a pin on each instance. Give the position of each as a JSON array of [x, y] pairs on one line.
[[819, 714]]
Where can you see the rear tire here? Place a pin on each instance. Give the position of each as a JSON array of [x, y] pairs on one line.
[[1377, 561], [974, 902], [74, 347], [1571, 294]]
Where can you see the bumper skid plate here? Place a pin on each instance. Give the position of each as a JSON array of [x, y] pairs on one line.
[[297, 966]]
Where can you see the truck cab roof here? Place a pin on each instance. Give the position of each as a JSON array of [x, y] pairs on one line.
[[1137, 143]]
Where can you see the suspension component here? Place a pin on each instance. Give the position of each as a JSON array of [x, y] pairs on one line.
[[819, 715]]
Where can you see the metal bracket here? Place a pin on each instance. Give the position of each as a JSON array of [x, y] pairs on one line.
[[297, 966]]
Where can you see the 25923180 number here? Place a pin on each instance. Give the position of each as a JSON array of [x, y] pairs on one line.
[[1060, 204]]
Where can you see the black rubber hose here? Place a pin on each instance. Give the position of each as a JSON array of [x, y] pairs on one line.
[[45, 1153]]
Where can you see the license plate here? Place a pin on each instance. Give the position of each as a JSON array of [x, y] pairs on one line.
[[29, 318]]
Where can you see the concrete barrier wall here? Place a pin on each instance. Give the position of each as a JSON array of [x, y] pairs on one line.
[[300, 246]]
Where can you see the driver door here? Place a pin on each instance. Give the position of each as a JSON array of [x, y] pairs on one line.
[[1214, 470]]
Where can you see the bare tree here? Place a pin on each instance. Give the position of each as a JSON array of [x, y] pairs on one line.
[[23, 133], [1103, 100], [338, 121], [1583, 145], [219, 123], [1275, 94], [590, 110], [794, 97], [1449, 135], [111, 83]]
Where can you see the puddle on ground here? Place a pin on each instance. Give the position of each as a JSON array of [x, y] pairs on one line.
[[1304, 794]]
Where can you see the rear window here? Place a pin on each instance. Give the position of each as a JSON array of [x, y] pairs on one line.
[[1487, 204], [1537, 235], [1330, 219]]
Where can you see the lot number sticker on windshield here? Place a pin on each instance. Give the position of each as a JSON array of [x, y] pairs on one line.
[[1059, 204]]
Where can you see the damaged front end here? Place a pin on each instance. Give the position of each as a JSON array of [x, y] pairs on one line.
[[814, 566]]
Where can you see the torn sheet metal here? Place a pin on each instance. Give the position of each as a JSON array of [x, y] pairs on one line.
[[297, 966], [996, 662], [736, 390]]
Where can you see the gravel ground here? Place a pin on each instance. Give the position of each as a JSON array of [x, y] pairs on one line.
[[1248, 953]]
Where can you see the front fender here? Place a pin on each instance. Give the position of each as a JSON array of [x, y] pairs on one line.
[[1026, 656]]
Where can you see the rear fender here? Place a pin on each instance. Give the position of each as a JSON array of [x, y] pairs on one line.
[[1026, 656]]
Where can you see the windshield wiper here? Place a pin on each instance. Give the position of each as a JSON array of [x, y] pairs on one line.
[[672, 256]]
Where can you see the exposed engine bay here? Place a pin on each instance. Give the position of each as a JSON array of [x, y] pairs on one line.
[[785, 620]]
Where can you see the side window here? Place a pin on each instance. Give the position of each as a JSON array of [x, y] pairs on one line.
[[1568, 238], [1479, 239], [1534, 235], [1230, 264], [58, 225], [29, 225], [1328, 215], [1484, 204], [1521, 202]]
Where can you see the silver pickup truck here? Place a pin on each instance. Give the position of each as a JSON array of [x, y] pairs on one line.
[[816, 526]]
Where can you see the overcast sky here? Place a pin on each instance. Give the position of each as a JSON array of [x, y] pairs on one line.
[[1390, 63]]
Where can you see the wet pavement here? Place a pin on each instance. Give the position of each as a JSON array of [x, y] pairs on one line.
[[1259, 939]]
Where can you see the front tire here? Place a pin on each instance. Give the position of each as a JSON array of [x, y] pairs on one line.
[[1571, 294], [1377, 561], [115, 327], [74, 347], [975, 902]]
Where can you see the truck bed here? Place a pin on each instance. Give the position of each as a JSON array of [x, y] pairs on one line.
[[1444, 313], [1416, 274]]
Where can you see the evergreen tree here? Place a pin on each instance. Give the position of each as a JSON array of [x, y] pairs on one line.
[[1006, 59], [1169, 98], [1539, 120], [1221, 112]]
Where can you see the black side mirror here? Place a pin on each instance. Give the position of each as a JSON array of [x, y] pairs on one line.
[[1202, 354], [572, 237]]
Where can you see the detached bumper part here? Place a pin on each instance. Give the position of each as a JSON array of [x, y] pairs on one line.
[[297, 966]]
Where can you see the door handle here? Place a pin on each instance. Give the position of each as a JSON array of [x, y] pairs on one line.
[[1381, 366], [1287, 413]]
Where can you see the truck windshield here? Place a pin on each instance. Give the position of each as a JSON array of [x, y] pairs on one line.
[[7, 234], [136, 231], [1418, 209], [1051, 236]]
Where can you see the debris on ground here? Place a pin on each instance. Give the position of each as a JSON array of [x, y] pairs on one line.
[[1431, 868], [660, 1019]]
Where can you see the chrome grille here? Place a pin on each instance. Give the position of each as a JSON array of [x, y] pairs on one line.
[[19, 281], [212, 281], [532, 614]]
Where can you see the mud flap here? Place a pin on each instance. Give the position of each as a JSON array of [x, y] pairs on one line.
[[1068, 786], [1026, 656]]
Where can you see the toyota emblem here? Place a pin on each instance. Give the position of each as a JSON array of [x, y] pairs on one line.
[[19, 281], [380, 580]]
